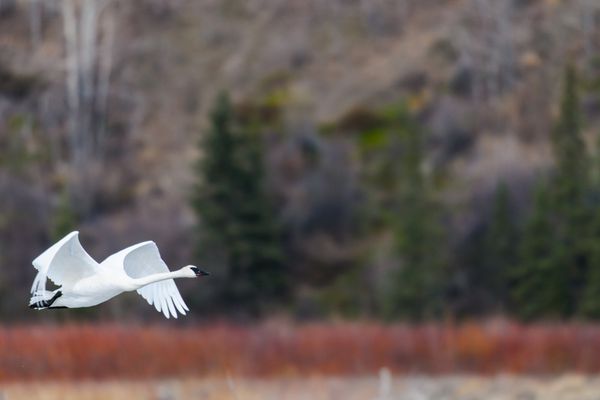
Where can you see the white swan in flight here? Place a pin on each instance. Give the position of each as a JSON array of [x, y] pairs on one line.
[[85, 283]]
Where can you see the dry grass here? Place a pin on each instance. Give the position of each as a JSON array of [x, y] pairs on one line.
[[571, 387], [211, 389], [286, 350]]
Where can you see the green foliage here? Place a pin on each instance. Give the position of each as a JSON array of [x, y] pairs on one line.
[[391, 154], [590, 298], [500, 244], [398, 197], [571, 214], [16, 156], [540, 281], [571, 177], [416, 288], [556, 254], [236, 215], [64, 219], [346, 295]]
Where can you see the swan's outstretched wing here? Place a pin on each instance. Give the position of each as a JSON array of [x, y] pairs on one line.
[[64, 263], [144, 259]]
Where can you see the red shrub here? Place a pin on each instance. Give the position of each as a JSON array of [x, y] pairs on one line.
[[114, 351]]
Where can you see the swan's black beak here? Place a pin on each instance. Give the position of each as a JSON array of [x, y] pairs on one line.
[[199, 272]]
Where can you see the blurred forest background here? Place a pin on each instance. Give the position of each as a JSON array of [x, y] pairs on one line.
[[393, 159]]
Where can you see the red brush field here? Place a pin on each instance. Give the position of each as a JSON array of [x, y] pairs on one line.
[[107, 351]]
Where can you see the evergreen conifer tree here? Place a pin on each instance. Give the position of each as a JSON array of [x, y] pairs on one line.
[[539, 281], [571, 176], [571, 215], [555, 252], [500, 254], [590, 300], [416, 288], [236, 216]]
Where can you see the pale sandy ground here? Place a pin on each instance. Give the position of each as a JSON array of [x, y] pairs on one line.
[[409, 388]]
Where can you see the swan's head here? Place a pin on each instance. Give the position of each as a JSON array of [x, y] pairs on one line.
[[194, 272]]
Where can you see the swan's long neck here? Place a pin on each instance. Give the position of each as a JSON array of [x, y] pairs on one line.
[[146, 280]]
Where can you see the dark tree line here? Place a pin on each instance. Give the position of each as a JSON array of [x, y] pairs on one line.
[[543, 265]]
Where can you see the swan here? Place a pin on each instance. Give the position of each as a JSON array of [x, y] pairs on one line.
[[85, 283]]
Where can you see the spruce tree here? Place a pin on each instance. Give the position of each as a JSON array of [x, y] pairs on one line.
[[571, 176], [555, 252], [500, 254], [590, 299], [236, 215], [539, 281], [416, 287], [571, 215]]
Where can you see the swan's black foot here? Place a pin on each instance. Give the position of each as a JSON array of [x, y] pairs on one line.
[[40, 305]]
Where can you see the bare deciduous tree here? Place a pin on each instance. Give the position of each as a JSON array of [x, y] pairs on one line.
[[35, 21], [89, 37], [487, 47]]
